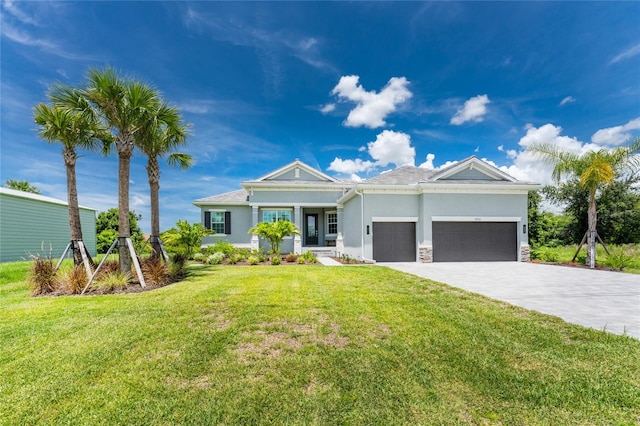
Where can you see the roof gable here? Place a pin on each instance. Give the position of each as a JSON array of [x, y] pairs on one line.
[[296, 171], [473, 168]]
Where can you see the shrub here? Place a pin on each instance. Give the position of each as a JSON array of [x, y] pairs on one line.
[[309, 257], [42, 276], [253, 260], [111, 281], [178, 265], [301, 260], [223, 246], [155, 272], [199, 257], [291, 257], [235, 258], [74, 280], [215, 258], [545, 254], [276, 260], [618, 259], [259, 253]]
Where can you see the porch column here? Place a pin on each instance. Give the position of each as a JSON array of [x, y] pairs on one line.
[[339, 239], [255, 241], [297, 221]]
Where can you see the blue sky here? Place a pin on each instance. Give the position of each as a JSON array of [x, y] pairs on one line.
[[350, 88]]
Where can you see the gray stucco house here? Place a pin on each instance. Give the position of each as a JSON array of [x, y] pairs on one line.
[[470, 211], [32, 224]]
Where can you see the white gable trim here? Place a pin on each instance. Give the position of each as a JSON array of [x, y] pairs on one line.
[[477, 164], [299, 165]]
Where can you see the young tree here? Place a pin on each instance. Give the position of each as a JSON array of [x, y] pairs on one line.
[[187, 236], [73, 130], [107, 229], [595, 170], [21, 185], [159, 138], [274, 232], [124, 105]]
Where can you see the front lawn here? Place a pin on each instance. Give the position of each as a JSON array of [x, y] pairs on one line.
[[303, 345]]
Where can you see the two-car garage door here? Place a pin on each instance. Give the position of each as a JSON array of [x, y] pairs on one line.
[[452, 241], [474, 241]]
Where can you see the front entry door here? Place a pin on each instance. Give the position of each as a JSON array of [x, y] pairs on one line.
[[311, 233]]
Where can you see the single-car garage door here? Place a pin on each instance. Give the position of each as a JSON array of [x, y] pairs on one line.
[[394, 241], [474, 241]]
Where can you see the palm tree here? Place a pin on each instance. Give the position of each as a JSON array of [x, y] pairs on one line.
[[123, 104], [594, 170], [21, 185], [73, 130], [160, 137]]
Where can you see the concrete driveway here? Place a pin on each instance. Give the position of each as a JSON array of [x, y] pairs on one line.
[[598, 299]]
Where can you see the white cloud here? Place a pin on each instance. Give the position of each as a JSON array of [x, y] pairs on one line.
[[474, 109], [392, 148], [372, 108], [615, 135], [389, 148], [629, 53], [349, 167], [567, 100], [328, 108], [428, 164], [356, 178], [527, 167], [17, 13]]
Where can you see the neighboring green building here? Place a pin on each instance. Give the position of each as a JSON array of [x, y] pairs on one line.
[[32, 224]]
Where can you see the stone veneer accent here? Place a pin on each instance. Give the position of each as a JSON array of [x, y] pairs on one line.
[[525, 255], [426, 254]]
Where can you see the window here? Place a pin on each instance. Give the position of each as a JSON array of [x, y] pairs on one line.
[[332, 223], [276, 215], [218, 221]]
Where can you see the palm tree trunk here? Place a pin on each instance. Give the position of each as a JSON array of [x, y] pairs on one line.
[[70, 157], [153, 171], [591, 233], [124, 145]]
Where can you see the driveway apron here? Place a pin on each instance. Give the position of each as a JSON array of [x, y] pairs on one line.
[[598, 299]]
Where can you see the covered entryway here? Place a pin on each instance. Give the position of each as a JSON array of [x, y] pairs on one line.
[[394, 241], [475, 241]]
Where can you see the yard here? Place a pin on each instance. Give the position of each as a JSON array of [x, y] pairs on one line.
[[303, 345]]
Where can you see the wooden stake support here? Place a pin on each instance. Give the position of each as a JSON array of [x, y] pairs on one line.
[[134, 259], [83, 253]]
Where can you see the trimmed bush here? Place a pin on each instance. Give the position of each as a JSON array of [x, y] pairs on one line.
[[199, 257], [276, 260], [215, 258], [291, 257], [253, 260]]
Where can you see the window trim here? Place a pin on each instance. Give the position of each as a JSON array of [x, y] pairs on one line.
[[226, 221], [277, 210], [326, 222]]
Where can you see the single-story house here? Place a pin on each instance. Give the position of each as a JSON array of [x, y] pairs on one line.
[[32, 224], [469, 211]]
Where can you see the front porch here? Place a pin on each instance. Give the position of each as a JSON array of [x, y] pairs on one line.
[[320, 228]]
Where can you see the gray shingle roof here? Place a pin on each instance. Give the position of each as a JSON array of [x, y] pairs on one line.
[[402, 176], [228, 197]]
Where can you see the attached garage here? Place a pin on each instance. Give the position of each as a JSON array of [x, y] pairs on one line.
[[475, 241], [394, 241]]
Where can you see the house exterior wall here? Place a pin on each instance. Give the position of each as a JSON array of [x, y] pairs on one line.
[[29, 226], [352, 227], [240, 224], [309, 196], [474, 207]]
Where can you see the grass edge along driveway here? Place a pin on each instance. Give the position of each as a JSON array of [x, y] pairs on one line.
[[304, 345]]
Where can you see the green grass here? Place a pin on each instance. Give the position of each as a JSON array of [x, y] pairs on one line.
[[304, 345], [566, 253]]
